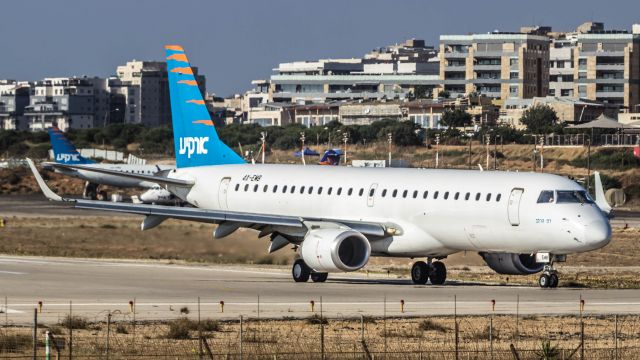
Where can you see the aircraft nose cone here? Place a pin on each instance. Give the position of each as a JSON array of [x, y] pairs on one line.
[[597, 233]]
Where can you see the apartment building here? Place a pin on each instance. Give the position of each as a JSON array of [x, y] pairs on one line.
[[498, 65], [14, 97]]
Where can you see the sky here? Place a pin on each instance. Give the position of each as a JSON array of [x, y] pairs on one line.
[[235, 41]]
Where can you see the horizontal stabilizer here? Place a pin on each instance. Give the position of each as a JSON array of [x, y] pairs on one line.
[[151, 178]]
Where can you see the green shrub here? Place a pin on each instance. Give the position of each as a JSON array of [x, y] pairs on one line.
[[429, 325], [75, 322]]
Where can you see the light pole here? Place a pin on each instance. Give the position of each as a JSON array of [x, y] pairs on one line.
[[390, 141], [488, 142], [437, 149], [541, 153], [345, 138], [263, 138], [302, 150]]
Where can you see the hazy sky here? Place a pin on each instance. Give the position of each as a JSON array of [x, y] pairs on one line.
[[234, 42]]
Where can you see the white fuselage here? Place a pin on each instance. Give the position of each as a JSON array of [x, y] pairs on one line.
[[113, 180], [501, 212]]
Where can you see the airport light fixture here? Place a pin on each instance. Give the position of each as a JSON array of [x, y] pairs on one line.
[[437, 149], [302, 138], [345, 139], [390, 141]]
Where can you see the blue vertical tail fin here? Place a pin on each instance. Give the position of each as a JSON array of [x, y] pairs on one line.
[[196, 141], [64, 152]]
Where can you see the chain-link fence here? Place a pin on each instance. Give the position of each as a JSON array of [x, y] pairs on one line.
[[107, 335]]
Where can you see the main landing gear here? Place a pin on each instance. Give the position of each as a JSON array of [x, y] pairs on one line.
[[549, 277], [301, 272], [435, 271]]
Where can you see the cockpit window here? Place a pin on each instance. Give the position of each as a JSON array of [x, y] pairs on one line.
[[573, 196], [546, 196]]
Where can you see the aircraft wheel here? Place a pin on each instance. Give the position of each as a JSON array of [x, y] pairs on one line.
[[319, 277], [103, 195], [420, 272], [553, 281], [300, 271], [438, 273], [544, 281]]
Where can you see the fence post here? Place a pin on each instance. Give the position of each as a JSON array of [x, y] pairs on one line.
[[321, 331], [491, 336], [241, 337], [47, 346], [199, 332], [384, 322], [581, 339], [35, 333], [108, 332], [615, 334], [70, 330], [361, 328], [517, 317], [457, 341]]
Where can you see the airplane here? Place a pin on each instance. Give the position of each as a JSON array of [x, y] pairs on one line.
[[65, 153], [337, 217]]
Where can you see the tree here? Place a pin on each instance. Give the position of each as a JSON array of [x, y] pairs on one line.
[[421, 92], [540, 119], [455, 118], [444, 94]]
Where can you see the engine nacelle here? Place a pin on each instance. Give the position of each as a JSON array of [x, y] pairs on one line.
[[335, 249], [512, 264]]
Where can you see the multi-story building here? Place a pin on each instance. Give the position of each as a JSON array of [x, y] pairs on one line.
[[607, 67], [498, 65], [145, 89], [14, 97], [393, 72], [68, 102]]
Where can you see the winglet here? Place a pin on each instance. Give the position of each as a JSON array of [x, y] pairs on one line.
[[43, 186], [601, 201]]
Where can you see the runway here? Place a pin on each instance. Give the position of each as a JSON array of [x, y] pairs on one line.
[[160, 290]]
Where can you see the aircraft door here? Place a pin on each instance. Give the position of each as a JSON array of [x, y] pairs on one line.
[[514, 206], [371, 194], [222, 193]]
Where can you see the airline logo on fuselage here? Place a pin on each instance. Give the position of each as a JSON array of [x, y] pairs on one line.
[[193, 145], [67, 157]]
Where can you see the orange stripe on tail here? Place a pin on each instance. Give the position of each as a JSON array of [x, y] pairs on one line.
[[197, 102], [183, 70], [178, 57], [204, 122], [188, 82], [174, 47]]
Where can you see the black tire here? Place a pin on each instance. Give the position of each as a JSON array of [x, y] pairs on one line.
[[544, 281], [300, 271], [553, 281], [438, 273], [420, 273], [319, 277], [103, 196]]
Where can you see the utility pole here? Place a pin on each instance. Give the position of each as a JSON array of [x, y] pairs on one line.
[[495, 152], [302, 151]]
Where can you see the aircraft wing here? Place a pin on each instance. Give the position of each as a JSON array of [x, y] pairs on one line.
[[157, 213], [151, 178]]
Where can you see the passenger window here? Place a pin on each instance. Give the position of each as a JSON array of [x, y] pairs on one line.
[[310, 190], [466, 196], [255, 188], [350, 191], [384, 192], [395, 192], [265, 188], [372, 192], [284, 189], [320, 190], [456, 196], [339, 191], [361, 192], [404, 194], [246, 187], [477, 196], [293, 189], [498, 197], [426, 193], [275, 188], [329, 191], [446, 195], [435, 194], [415, 194], [546, 196], [302, 190], [237, 187], [489, 197]]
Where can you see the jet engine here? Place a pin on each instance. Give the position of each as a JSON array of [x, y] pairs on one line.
[[335, 249], [512, 264]]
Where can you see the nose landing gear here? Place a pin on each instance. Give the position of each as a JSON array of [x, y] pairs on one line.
[[549, 277]]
